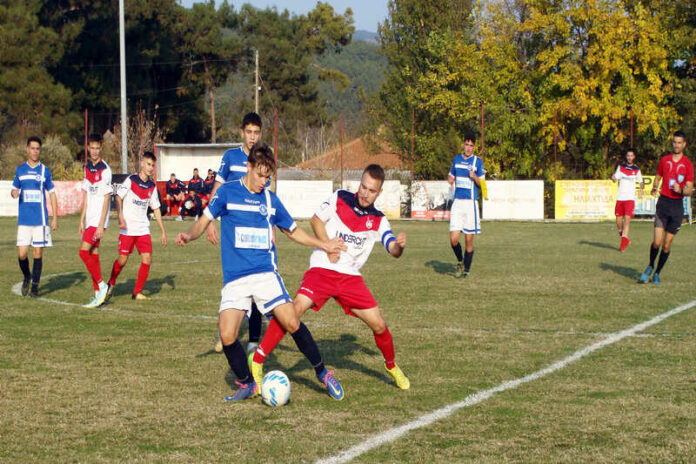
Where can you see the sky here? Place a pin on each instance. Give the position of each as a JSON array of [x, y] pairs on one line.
[[366, 13]]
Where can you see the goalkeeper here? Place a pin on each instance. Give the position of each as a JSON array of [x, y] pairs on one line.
[[192, 206]]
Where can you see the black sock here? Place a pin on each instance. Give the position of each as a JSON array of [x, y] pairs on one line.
[[661, 262], [254, 324], [36, 273], [24, 266], [236, 358], [468, 257], [653, 255], [458, 252], [306, 344]]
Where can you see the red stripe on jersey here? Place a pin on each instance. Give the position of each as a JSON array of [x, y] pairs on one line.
[[93, 173], [353, 220], [629, 171], [141, 189]]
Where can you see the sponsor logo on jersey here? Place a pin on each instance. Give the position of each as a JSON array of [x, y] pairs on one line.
[[354, 239], [141, 203]]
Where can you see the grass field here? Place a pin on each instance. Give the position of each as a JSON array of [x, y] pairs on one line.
[[137, 381]]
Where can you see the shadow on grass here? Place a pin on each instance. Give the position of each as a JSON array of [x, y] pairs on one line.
[[62, 282], [598, 245], [152, 286], [621, 270], [442, 268]]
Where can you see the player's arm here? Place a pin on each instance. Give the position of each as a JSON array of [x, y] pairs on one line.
[[158, 218], [397, 246], [99, 233], [54, 206], [450, 179], [83, 212], [656, 186], [319, 228], [119, 210], [298, 235], [211, 231], [195, 231]]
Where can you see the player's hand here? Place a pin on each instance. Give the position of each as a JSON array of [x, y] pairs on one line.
[[164, 240], [401, 239], [472, 174], [80, 228], [335, 245], [99, 233], [211, 233], [334, 257], [15, 193], [54, 223], [653, 191], [182, 238], [122, 223]]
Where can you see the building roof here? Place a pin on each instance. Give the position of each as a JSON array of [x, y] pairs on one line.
[[355, 156]]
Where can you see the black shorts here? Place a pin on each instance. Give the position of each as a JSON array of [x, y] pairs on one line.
[[669, 214]]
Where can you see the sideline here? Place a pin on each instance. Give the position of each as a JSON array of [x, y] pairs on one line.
[[393, 434]]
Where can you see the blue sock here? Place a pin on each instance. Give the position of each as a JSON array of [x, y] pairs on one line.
[[236, 358], [306, 344]]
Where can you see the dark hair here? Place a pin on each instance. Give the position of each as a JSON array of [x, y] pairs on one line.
[[94, 138], [470, 136], [149, 155], [195, 169], [631, 150], [33, 138], [262, 155], [172, 174], [680, 133], [251, 118], [376, 172]]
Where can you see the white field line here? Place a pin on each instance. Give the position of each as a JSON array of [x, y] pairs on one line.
[[393, 434]]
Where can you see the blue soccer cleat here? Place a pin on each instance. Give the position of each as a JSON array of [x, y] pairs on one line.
[[332, 385], [246, 390], [656, 279], [645, 276]]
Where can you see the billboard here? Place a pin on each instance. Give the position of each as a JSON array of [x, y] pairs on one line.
[[431, 199], [302, 197], [514, 200]]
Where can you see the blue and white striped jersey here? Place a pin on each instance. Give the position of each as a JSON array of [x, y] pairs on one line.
[[33, 184], [465, 188], [233, 165], [246, 224]]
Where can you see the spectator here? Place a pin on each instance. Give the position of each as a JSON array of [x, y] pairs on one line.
[[192, 206], [196, 183], [176, 191]]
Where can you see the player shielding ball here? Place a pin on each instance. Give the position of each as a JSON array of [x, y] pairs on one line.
[[94, 218], [627, 175], [676, 175], [354, 218], [466, 175], [248, 213], [31, 182], [133, 197]]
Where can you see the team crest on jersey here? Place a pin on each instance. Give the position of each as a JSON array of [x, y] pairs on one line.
[[263, 210], [368, 223]]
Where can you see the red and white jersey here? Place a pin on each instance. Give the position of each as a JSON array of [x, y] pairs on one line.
[[628, 177], [97, 184], [671, 171], [359, 228], [137, 195]]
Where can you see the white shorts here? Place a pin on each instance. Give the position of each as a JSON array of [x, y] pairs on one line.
[[464, 217], [35, 236], [266, 289]]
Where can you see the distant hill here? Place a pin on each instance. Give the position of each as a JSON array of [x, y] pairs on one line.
[[366, 36]]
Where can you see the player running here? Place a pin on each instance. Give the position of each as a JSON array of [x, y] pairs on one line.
[[94, 218], [248, 212], [133, 197], [233, 167], [354, 218], [627, 175], [31, 182], [676, 173], [466, 175]]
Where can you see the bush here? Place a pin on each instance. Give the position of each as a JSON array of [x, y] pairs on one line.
[[56, 156]]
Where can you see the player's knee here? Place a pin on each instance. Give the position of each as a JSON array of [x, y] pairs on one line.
[[378, 326], [292, 325]]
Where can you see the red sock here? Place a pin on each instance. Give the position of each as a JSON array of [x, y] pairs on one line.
[[95, 268], [115, 271], [274, 334], [385, 343], [87, 259], [142, 277]]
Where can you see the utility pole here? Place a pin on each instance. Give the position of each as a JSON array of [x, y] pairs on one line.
[[124, 119], [256, 85]]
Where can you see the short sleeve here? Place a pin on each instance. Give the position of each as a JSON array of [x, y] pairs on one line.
[[154, 202], [452, 171], [327, 207], [16, 183], [224, 169], [617, 172], [217, 205], [690, 172], [48, 185], [282, 218], [639, 177], [106, 182], [479, 168], [386, 235], [123, 188]]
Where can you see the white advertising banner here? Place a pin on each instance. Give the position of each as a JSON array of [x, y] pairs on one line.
[[302, 197], [514, 199], [8, 205], [388, 202]]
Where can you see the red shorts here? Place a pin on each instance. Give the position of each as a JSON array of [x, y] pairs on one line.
[[126, 243], [88, 236], [625, 208], [349, 291]]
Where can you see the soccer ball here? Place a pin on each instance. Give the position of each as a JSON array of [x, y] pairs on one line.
[[275, 388], [188, 204]]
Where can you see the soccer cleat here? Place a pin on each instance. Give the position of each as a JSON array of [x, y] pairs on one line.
[[331, 383], [99, 298], [25, 287], [140, 296], [34, 293], [645, 276], [217, 343], [109, 290], [625, 242], [246, 390], [466, 274], [460, 269], [656, 279], [398, 375], [256, 370]]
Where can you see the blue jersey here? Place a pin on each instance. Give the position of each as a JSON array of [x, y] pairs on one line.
[[246, 228], [33, 184], [465, 187], [233, 165]]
